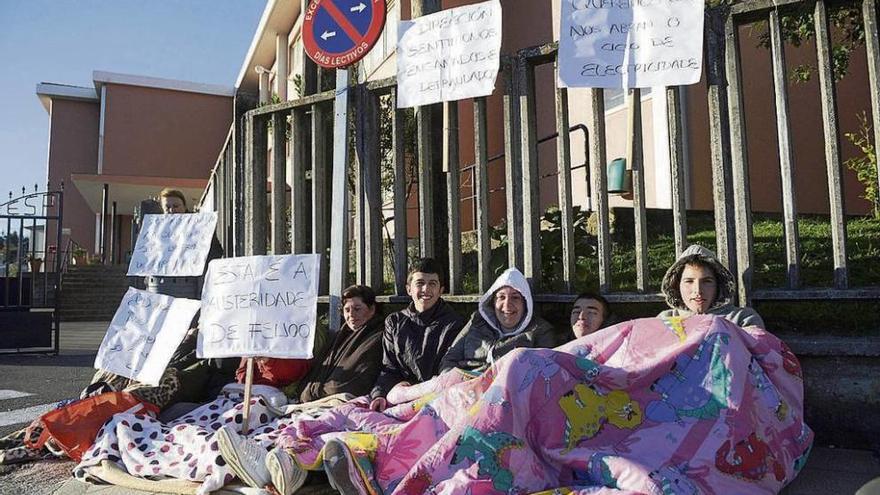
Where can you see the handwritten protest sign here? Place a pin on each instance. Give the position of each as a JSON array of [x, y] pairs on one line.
[[260, 306], [450, 55], [630, 43], [173, 245], [142, 321]]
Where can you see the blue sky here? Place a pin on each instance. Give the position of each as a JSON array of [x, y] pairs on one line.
[[63, 41]]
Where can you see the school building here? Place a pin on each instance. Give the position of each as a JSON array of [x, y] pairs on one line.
[[120, 142]]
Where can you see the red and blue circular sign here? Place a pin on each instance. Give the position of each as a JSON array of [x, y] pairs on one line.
[[337, 33]]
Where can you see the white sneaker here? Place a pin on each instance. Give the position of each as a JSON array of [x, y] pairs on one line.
[[245, 457], [287, 476], [339, 465]]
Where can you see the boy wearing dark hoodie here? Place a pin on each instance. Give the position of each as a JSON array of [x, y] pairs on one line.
[[504, 320], [417, 337], [697, 283]]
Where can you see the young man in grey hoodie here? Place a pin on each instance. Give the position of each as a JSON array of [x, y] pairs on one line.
[[697, 283], [503, 321]]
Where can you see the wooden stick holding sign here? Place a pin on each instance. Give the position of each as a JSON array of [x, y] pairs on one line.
[[262, 306], [248, 382]]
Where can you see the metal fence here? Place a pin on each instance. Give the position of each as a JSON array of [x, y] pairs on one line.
[[335, 140]]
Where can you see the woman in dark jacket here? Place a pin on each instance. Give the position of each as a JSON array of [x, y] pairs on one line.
[[352, 362]]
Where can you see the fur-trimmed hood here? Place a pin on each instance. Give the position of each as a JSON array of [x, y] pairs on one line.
[[725, 280]]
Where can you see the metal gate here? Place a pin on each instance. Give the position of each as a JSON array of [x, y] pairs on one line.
[[30, 271]]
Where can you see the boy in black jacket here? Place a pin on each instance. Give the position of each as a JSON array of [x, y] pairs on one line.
[[416, 338]]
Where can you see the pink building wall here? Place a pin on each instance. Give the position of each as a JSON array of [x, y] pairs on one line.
[[73, 149], [163, 133]]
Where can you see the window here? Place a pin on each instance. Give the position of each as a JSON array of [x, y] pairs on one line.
[[385, 45], [616, 97]]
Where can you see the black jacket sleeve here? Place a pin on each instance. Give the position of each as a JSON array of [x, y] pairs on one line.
[[391, 372]]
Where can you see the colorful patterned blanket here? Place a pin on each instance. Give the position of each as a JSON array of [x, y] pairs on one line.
[[658, 406]]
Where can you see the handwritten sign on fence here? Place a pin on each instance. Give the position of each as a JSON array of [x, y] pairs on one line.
[[173, 245], [260, 306], [450, 55], [143, 335], [630, 43]]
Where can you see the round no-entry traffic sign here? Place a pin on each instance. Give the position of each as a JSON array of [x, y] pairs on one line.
[[337, 33]]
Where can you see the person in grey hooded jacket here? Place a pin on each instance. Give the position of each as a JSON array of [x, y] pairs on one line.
[[504, 320], [697, 283]]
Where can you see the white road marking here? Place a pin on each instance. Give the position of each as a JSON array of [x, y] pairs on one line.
[[25, 415], [13, 394]]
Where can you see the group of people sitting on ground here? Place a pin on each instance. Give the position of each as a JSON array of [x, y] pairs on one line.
[[365, 360]]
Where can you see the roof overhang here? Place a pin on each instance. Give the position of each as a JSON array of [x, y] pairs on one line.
[[47, 91], [128, 190], [101, 78], [279, 17]]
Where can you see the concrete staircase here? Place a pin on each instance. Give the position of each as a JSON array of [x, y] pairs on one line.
[[92, 292]]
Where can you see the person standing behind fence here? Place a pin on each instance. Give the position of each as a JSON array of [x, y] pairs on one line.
[[505, 320], [697, 283], [172, 201], [416, 338]]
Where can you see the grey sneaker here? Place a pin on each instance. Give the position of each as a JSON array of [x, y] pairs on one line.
[[287, 476], [340, 466], [246, 458]]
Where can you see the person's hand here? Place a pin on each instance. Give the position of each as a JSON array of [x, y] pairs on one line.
[[378, 404]]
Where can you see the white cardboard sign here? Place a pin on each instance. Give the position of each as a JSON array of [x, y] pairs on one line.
[[144, 333], [450, 55], [260, 306], [630, 43], [173, 245]]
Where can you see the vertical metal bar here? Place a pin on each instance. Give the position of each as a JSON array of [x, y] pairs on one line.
[[481, 183], [563, 165], [832, 146], [531, 218], [220, 196], [600, 188], [783, 130], [242, 134], [248, 189], [513, 164], [634, 156], [299, 237], [18, 255], [255, 216], [57, 278], [398, 157], [45, 257], [719, 136], [370, 174], [872, 49], [340, 200], [426, 182], [360, 247], [320, 192], [676, 162], [451, 166], [739, 164], [113, 233], [102, 237], [279, 181], [6, 276]]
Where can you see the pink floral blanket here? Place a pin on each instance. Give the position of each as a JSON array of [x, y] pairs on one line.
[[658, 406]]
